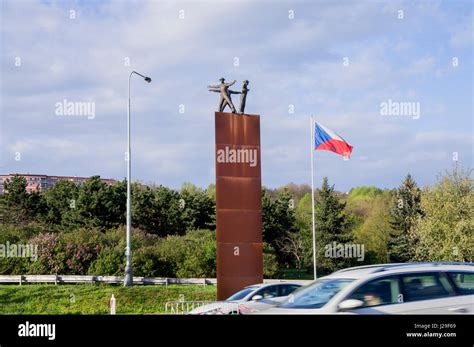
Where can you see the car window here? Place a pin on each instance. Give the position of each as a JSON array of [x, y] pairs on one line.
[[287, 289], [268, 292], [382, 291], [240, 294], [316, 295], [464, 282], [425, 287]]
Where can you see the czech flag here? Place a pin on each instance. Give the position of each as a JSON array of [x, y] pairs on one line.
[[328, 140]]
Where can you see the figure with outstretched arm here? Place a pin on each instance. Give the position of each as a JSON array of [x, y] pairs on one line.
[[223, 89], [243, 97]]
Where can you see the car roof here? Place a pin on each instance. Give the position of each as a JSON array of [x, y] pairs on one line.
[[396, 268], [262, 285]]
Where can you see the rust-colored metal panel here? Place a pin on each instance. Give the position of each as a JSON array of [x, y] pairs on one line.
[[248, 257], [226, 286], [238, 202], [238, 193], [239, 226], [239, 154], [233, 129]]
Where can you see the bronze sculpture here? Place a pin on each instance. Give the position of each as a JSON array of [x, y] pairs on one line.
[[223, 88], [243, 96]]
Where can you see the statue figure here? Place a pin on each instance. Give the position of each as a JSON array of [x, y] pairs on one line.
[[243, 96], [223, 88]]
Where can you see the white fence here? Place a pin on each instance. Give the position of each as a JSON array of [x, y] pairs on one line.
[[202, 307], [65, 279]]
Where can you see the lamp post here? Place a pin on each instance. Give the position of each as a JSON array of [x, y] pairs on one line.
[[128, 250]]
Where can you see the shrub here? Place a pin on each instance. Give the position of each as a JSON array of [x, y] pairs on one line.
[[191, 255], [48, 261], [14, 266], [109, 262], [148, 263], [270, 262], [67, 253]]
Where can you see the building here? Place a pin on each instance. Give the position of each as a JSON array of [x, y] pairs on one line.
[[36, 183]]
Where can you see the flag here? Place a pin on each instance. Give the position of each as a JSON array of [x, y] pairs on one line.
[[328, 140]]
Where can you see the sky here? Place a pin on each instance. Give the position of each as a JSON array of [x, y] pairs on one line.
[[337, 61]]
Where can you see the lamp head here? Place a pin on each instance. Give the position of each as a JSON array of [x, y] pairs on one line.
[[148, 79]]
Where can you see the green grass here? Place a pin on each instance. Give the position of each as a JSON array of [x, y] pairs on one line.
[[94, 298]]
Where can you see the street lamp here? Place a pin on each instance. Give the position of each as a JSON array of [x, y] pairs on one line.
[[128, 251]]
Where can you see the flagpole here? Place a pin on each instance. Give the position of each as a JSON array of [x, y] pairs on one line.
[[312, 194]]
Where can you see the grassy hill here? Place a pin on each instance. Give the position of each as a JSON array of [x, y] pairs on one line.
[[94, 299]]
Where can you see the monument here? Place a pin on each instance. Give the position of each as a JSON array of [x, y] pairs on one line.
[[238, 195]]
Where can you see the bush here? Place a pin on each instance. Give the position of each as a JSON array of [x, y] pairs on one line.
[[17, 235], [191, 255], [109, 262], [16, 266], [68, 253], [148, 263], [270, 262], [48, 261], [20, 234]]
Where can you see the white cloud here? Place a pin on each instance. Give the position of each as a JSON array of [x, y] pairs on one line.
[[295, 62]]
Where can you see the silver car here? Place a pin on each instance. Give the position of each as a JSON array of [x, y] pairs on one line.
[[237, 303], [411, 288]]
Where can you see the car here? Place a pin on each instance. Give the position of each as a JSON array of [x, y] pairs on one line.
[[238, 302], [409, 288]]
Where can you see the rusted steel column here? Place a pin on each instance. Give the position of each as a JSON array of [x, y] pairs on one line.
[[238, 202]]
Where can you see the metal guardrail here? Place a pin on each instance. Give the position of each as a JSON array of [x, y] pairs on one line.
[[65, 279]]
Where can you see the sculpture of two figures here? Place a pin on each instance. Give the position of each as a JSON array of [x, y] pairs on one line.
[[226, 100]]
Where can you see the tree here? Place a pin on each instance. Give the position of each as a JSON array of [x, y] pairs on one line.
[[99, 205], [297, 191], [375, 230], [158, 211], [360, 200], [16, 194], [293, 245], [60, 201], [333, 224], [303, 214], [270, 262], [404, 213], [446, 231], [198, 208], [20, 206], [3, 209], [278, 218]]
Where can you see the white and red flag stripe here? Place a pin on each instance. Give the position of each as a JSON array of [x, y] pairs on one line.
[[327, 140]]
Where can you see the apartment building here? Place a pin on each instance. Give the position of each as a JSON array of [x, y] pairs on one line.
[[36, 183]]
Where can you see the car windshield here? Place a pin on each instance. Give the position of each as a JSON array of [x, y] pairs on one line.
[[315, 295], [241, 294]]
